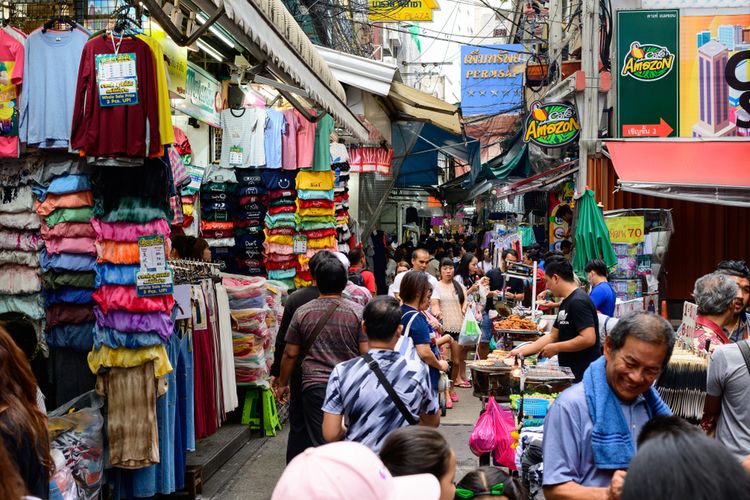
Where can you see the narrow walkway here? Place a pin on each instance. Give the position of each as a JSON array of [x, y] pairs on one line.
[[253, 472]]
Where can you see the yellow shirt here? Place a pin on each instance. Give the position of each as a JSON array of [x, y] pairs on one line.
[[280, 239], [107, 357], [316, 181], [166, 132], [327, 242]]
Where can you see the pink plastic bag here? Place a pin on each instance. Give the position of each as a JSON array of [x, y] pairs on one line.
[[504, 453], [482, 439]]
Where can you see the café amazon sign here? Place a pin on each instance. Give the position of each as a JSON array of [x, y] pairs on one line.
[[551, 125], [401, 10]]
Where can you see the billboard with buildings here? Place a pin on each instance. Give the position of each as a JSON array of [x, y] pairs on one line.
[[715, 76], [492, 79]]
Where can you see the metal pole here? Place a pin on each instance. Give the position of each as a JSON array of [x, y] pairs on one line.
[[589, 115]]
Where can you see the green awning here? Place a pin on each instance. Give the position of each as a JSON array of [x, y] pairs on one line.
[[499, 168]]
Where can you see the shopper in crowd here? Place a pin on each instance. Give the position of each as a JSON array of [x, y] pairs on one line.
[[23, 426], [297, 441], [415, 295], [322, 333], [467, 272], [421, 450], [358, 274], [358, 405], [11, 484], [348, 470], [739, 326], [390, 267], [455, 300], [565, 213], [486, 265], [490, 483], [602, 294], [726, 409], [566, 247], [419, 260], [402, 267], [676, 466], [190, 247], [575, 333], [530, 255], [591, 428], [23, 333], [666, 425], [715, 296], [355, 293], [510, 290], [433, 265]]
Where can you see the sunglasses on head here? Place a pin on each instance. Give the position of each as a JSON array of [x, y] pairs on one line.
[[494, 491]]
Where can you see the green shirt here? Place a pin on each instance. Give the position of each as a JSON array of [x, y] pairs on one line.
[[322, 155], [54, 279], [82, 214]]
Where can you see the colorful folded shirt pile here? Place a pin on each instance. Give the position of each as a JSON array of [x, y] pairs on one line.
[[217, 200], [250, 333], [65, 206], [129, 330], [281, 263], [315, 217], [340, 166], [248, 219]]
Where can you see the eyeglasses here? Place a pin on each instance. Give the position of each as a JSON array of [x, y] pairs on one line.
[[495, 491]]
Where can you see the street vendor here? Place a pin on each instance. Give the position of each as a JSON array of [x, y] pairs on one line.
[[591, 429], [512, 290], [575, 334]]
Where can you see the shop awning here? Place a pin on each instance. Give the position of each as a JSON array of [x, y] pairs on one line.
[[705, 171], [500, 168], [372, 76], [538, 182], [269, 31], [413, 103]]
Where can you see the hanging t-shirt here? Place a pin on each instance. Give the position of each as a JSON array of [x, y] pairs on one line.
[[318, 181], [258, 138], [322, 160], [305, 141], [11, 76], [51, 62], [289, 140], [236, 127], [339, 153], [273, 140], [166, 130], [101, 125]]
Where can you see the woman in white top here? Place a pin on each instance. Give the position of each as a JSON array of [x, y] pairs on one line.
[[453, 302], [486, 265]]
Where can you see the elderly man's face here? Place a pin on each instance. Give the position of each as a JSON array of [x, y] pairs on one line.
[[634, 368], [420, 261]]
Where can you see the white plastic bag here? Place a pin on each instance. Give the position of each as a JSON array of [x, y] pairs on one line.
[[405, 345]]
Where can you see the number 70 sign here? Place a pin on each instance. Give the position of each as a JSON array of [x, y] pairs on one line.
[[625, 229]]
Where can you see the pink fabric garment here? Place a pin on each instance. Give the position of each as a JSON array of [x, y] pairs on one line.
[[271, 248], [71, 200], [11, 51], [124, 298], [126, 231], [16, 240], [68, 230], [70, 245], [305, 141], [289, 140]]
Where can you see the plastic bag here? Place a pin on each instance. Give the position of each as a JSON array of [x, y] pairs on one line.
[[482, 438], [470, 330], [505, 426], [76, 431]]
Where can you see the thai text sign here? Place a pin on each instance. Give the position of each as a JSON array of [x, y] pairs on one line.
[[398, 10], [203, 98], [625, 229], [492, 79]]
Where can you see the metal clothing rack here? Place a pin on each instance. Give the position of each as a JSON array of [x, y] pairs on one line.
[[188, 271]]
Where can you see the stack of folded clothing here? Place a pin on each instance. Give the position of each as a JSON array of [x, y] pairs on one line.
[[129, 202], [282, 264], [248, 218], [217, 199], [178, 179], [315, 217], [340, 166], [20, 281], [250, 333]]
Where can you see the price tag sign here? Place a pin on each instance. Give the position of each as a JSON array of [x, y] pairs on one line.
[[689, 319], [625, 229], [299, 243], [117, 79], [154, 277], [235, 155]]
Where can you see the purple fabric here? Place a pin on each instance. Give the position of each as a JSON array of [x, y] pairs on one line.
[[125, 321]]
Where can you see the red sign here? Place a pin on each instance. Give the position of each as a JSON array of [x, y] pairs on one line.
[[661, 129]]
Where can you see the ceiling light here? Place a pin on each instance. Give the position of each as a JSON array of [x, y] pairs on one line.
[[201, 18], [210, 50]]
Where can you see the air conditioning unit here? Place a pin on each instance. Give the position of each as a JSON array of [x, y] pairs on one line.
[[390, 60], [393, 38]]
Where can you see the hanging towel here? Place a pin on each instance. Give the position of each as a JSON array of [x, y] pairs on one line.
[[611, 440]]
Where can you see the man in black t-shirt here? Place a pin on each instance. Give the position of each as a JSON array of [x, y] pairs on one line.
[[575, 334]]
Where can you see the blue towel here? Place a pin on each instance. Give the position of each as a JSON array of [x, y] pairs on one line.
[[611, 440]]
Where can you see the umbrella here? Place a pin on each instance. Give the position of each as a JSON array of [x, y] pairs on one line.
[[592, 235]]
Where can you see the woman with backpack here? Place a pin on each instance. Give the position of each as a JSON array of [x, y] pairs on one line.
[[415, 294]]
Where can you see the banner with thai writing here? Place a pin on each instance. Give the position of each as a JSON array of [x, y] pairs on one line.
[[492, 79]]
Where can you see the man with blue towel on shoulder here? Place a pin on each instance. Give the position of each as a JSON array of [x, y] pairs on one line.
[[590, 431]]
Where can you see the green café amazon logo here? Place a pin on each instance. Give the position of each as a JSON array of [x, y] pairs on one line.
[[551, 125], [647, 62]]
